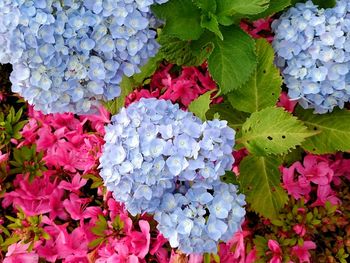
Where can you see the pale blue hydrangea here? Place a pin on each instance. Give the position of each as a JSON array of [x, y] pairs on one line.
[[68, 55], [196, 217], [313, 52], [158, 142], [9, 19]]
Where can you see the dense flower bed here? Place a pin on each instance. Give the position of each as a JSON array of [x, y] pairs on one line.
[[206, 151]]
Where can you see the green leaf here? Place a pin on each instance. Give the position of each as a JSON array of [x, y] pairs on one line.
[[264, 87], [187, 53], [147, 70], [273, 131], [275, 6], [207, 5], [126, 86], [211, 23], [94, 243], [260, 181], [233, 60], [320, 3], [334, 131], [234, 117], [200, 106], [182, 19], [251, 7]]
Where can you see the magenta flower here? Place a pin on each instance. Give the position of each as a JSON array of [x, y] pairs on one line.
[[34, 198], [302, 252], [18, 253], [276, 251]]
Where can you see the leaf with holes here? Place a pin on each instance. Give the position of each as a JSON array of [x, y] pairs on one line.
[[260, 181], [334, 131], [233, 60], [273, 131], [264, 87], [182, 19]]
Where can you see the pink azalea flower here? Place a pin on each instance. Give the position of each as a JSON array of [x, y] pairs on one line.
[[3, 157], [302, 252], [324, 194], [297, 188], [194, 258], [33, 198], [276, 251], [316, 169], [299, 230], [18, 253], [74, 186], [259, 29], [286, 102], [140, 241], [76, 208]]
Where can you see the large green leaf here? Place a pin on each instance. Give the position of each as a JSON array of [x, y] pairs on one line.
[[273, 131], [334, 131], [188, 53], [182, 19], [263, 88], [207, 5], [260, 181], [251, 7], [274, 7], [200, 106], [233, 60]]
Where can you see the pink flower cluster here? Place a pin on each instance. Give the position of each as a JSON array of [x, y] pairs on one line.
[[181, 88], [318, 172], [259, 29], [70, 207]]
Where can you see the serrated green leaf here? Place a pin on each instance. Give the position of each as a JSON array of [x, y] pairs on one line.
[[275, 6], [273, 131], [207, 5], [234, 117], [187, 53], [264, 87], [210, 22], [260, 181], [334, 131], [233, 60], [126, 86], [182, 19], [251, 7], [200, 106]]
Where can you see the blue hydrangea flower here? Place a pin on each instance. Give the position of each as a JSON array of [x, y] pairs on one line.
[[9, 20], [195, 218], [76, 52], [313, 52], [150, 146]]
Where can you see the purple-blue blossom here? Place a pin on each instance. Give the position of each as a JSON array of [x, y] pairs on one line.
[[313, 52], [76, 52]]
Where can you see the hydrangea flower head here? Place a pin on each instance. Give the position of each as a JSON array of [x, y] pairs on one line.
[[67, 55], [195, 218], [313, 52], [152, 144]]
